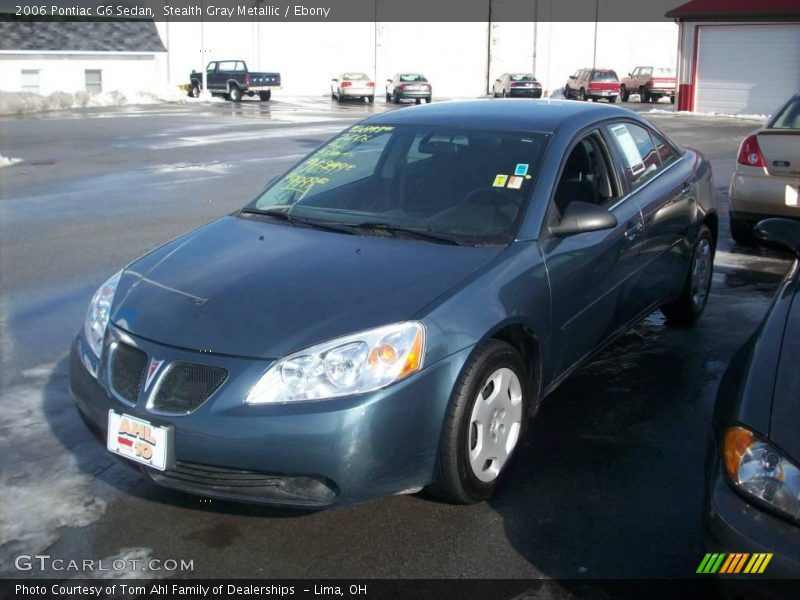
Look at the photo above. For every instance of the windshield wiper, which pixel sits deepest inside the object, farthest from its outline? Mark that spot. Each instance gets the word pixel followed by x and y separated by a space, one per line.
pixel 424 234
pixel 289 218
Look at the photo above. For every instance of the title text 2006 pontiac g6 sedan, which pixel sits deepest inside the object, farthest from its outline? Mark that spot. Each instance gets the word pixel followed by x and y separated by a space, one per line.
pixel 386 315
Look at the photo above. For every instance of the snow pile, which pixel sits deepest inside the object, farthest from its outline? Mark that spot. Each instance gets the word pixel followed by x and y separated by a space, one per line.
pixel 746 117
pixel 7 162
pixel 49 458
pixel 26 102
pixel 557 94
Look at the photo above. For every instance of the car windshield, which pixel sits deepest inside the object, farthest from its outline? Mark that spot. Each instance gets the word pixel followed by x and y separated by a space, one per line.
pixel 466 186
pixel 788 117
pixel 522 77
pixel 412 77
pixel 355 76
pixel 604 76
pixel 663 72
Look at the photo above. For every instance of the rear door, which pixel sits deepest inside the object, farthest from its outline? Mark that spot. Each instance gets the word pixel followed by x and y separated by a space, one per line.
pixel 662 183
pixel 592 275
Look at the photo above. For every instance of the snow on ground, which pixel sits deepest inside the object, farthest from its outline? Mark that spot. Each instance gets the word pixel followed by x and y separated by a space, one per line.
pixel 49 463
pixel 746 117
pixel 26 102
pixel 7 162
pixel 557 94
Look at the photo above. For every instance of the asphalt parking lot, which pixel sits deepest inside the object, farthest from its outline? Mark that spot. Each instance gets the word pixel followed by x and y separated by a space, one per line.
pixel 607 483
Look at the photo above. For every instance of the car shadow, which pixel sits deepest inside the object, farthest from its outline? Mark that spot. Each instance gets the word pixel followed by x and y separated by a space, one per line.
pixel 91 458
pixel 608 480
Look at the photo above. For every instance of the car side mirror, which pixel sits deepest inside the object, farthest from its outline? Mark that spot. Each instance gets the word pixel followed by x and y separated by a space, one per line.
pixel 779 234
pixel 572 77
pixel 334 79
pixel 388 81
pixel 630 74
pixel 583 217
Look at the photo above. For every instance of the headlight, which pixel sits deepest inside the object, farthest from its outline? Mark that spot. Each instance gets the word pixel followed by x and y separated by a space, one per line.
pixel 96 321
pixel 354 364
pixel 757 469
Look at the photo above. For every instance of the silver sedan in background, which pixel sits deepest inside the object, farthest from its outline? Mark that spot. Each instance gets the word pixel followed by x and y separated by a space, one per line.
pixel 408 85
pixel 354 86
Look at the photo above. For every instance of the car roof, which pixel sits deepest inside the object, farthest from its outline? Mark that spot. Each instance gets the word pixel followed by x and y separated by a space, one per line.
pixel 521 115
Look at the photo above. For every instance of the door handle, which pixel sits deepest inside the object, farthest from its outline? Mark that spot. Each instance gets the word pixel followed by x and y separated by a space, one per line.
pixel 633 229
pixel 686 187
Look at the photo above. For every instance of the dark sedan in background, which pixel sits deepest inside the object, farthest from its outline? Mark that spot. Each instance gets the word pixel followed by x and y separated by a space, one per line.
pixel 387 315
pixel 408 86
pixel 753 496
pixel 517 85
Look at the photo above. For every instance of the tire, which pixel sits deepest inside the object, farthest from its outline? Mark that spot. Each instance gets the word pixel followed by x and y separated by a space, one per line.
pixel 742 232
pixel 566 92
pixel 371 99
pixel 470 427
pixel 672 99
pixel 582 95
pixel 612 99
pixel 339 98
pixel 428 100
pixel 684 310
pixel 653 98
pixel 643 95
pixel 194 91
pixel 388 97
pixel 265 96
pixel 235 94
pixel 503 94
pixel 396 98
pixel 418 101
pixel 623 93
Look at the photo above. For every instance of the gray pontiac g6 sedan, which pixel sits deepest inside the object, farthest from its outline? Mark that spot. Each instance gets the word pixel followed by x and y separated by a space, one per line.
pixel 388 314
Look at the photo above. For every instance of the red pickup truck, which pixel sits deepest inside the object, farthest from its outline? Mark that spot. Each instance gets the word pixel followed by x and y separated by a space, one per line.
pixel 651 83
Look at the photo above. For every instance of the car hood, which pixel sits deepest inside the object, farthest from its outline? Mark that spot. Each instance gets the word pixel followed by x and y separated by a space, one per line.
pixel 247 287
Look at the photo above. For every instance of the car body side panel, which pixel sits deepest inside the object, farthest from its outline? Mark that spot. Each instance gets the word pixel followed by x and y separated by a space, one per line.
pixel 785 423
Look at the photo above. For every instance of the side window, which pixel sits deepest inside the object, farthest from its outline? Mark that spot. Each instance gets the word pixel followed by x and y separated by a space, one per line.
pixel 587 175
pixel 646 71
pixel 226 65
pixel 638 152
pixel 211 66
pixel 240 67
pixel 665 152
pixel 635 72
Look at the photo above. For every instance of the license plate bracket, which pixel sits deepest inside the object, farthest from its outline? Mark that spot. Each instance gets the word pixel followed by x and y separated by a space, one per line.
pixel 140 440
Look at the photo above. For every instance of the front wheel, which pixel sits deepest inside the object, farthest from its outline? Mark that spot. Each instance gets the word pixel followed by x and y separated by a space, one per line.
pixel 483 425
pixel 684 310
pixel 566 92
pixel 623 93
pixel 194 91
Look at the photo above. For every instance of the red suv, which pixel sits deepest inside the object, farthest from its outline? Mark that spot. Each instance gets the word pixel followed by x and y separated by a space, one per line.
pixel 594 84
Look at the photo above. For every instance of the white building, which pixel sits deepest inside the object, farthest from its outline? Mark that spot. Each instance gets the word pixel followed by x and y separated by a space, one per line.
pixel 72 56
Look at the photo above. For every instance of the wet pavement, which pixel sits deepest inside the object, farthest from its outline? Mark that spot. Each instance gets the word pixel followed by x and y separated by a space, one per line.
pixel 607 483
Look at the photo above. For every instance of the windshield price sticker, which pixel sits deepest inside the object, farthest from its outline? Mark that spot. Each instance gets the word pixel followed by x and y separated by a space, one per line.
pixel 628 147
pixel 515 182
pixel 500 180
pixel 521 170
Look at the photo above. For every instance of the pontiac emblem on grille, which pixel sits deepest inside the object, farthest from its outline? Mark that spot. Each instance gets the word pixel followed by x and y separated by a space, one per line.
pixel 155 365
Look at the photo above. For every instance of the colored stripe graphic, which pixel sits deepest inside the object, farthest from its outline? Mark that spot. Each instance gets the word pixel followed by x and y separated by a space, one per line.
pixel 733 563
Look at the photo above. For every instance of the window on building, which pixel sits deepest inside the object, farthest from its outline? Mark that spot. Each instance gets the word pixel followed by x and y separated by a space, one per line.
pixel 30 80
pixel 94 81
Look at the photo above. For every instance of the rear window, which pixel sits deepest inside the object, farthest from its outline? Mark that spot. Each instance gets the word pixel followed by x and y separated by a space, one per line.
pixel 788 117
pixel 604 76
pixel 663 72
pixel 522 77
pixel 355 76
pixel 412 77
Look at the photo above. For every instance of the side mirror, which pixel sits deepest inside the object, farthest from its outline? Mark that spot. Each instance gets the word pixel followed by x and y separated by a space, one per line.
pixel 779 234
pixel 572 77
pixel 630 74
pixel 388 81
pixel 334 79
pixel 583 217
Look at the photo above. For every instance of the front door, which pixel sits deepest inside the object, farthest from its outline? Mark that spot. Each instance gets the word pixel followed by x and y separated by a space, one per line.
pixel 592 275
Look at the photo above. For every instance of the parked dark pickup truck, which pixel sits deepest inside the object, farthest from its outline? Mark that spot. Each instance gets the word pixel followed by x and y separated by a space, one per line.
pixel 231 79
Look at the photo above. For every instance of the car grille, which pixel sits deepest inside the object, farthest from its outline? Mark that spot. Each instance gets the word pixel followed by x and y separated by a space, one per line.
pixel 245 485
pixel 186 386
pixel 127 372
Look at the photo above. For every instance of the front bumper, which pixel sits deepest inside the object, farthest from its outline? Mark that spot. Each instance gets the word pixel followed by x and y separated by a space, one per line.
pixel 318 454
pixel 735 525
